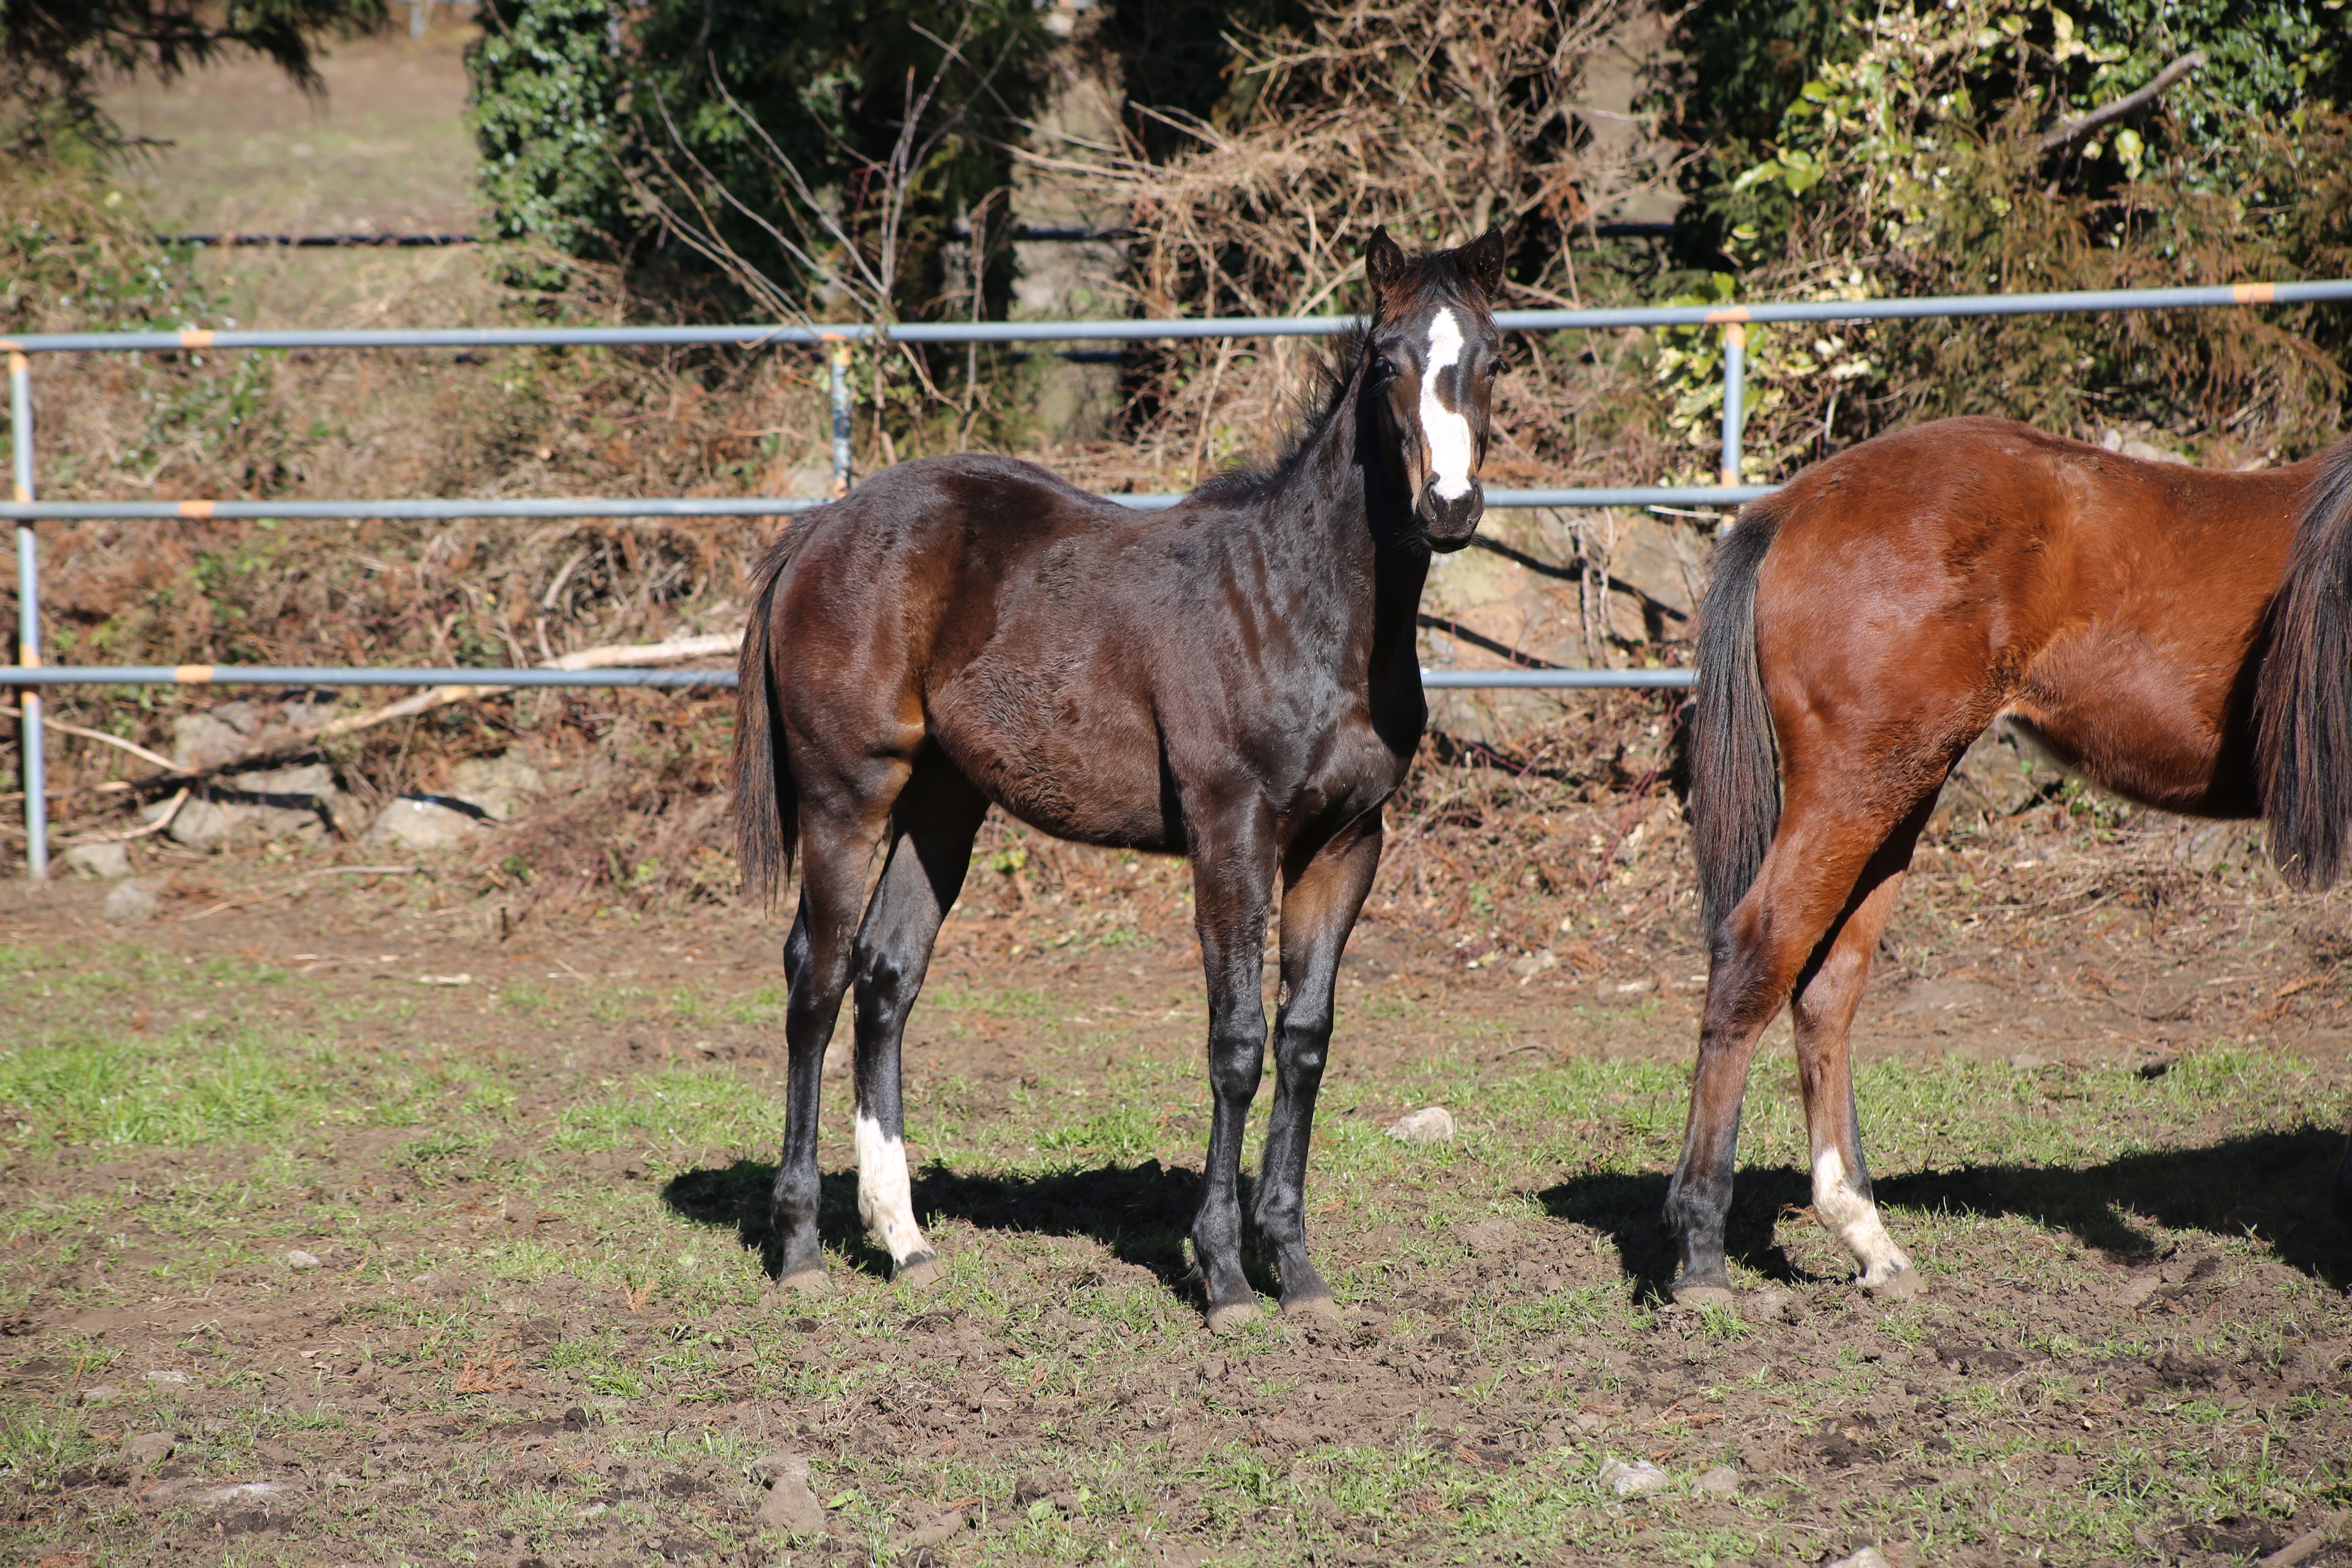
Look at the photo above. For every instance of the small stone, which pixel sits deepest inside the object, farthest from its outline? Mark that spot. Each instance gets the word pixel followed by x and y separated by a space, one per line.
pixel 496 785
pixel 1720 1481
pixel 1636 1480
pixel 946 1528
pixel 1431 1124
pixel 1528 965
pixel 421 822
pixel 128 904
pixel 1867 1557
pixel 164 1374
pixel 1770 1301
pixel 791 1504
pixel 150 1449
pixel 2026 1061
pixel 1586 1422
pixel 100 1394
pixel 297 1259
pixel 97 862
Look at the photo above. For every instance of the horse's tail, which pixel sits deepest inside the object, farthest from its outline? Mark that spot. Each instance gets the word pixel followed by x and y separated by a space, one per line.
pixel 767 805
pixel 2304 707
pixel 1735 777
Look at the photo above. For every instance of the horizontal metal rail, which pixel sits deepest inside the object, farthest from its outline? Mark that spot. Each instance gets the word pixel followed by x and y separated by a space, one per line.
pixel 301 674
pixel 729 506
pixel 1133 331
pixel 1731 319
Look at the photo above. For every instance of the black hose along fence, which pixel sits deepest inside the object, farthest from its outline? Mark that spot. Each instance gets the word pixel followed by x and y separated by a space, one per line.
pixel 31 677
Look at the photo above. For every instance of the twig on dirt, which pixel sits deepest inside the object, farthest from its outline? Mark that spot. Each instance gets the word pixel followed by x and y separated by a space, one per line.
pixel 2074 131
pixel 2305 1544
pixel 63 728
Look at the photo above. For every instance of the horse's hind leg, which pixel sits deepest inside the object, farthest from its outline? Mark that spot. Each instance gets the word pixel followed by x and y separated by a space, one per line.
pixel 836 846
pixel 1318 911
pixel 1809 883
pixel 1822 1012
pixel 936 818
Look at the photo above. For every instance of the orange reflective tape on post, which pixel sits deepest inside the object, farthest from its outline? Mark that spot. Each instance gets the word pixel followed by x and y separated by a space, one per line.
pixel 2254 293
pixel 192 674
pixel 195 509
pixel 1726 316
pixel 195 338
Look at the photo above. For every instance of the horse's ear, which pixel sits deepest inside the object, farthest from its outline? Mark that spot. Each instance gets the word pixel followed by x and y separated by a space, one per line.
pixel 1383 264
pixel 1485 257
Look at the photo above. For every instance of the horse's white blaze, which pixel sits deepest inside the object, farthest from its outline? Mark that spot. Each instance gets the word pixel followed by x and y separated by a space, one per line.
pixel 1854 1219
pixel 1444 433
pixel 885 1201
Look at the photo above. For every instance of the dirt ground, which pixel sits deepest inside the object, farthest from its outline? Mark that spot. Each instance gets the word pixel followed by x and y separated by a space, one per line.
pixel 350 1222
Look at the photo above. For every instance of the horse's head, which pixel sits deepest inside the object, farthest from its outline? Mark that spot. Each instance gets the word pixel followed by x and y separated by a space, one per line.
pixel 1431 359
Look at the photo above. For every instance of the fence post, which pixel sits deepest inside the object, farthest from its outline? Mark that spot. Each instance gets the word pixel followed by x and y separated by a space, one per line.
pixel 1735 397
pixel 28 620
pixel 837 361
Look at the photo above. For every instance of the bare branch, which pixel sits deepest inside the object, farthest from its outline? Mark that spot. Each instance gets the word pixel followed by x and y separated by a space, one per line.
pixel 2131 103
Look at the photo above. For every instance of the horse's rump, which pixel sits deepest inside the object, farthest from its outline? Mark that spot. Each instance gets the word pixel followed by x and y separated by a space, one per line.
pixel 2306 699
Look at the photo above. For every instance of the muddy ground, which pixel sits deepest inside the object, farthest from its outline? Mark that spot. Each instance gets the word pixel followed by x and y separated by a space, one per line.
pixel 343 1226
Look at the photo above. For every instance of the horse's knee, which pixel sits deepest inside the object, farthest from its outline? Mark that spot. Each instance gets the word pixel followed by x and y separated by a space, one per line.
pixel 1236 1062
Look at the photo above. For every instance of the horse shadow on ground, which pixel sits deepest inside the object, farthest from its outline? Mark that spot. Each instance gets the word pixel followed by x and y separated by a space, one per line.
pixel 1140 1213
pixel 2277 1185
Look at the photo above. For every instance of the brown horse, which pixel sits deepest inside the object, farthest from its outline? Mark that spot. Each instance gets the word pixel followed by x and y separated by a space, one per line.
pixel 1234 679
pixel 2182 638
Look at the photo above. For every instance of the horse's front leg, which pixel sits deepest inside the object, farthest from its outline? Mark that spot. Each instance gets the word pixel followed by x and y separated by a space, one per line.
pixel 1319 905
pixel 1232 876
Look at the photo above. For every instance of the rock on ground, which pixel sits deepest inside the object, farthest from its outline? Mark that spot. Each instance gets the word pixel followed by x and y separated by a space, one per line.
pixel 128 904
pixel 792 1503
pixel 496 785
pixel 1431 1124
pixel 97 862
pixel 1868 1557
pixel 1633 1479
pixel 422 822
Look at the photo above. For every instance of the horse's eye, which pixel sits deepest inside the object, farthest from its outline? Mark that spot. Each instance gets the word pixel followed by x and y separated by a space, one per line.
pixel 1382 369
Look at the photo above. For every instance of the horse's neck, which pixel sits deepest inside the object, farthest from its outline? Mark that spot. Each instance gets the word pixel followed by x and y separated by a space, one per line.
pixel 1339 523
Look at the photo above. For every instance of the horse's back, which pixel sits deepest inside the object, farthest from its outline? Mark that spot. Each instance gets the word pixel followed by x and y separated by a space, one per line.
pixel 985 607
pixel 1968 567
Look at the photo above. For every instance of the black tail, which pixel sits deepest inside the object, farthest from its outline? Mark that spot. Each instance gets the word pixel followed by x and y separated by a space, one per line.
pixel 1735 781
pixel 2303 709
pixel 767 806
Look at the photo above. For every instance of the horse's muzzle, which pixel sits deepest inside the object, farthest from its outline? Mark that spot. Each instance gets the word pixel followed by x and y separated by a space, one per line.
pixel 1448 525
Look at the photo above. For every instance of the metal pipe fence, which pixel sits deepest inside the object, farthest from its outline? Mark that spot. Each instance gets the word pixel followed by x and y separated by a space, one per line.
pixel 32 678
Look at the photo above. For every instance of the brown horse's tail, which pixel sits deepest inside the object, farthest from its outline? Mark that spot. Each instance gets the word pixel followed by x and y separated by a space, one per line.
pixel 1735 777
pixel 767 805
pixel 2303 709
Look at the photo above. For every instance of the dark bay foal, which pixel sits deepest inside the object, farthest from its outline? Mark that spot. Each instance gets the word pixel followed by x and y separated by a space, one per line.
pixel 1234 679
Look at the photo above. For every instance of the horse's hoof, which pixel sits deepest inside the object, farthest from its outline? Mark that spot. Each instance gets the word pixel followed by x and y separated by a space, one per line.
pixel 922 1271
pixel 1317 1309
pixel 1900 1286
pixel 1709 1287
pixel 1231 1316
pixel 807 1282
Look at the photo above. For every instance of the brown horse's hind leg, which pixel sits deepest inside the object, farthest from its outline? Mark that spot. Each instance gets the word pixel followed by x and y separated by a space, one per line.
pixel 935 821
pixel 1809 882
pixel 1822 1012
pixel 836 847
pixel 1319 910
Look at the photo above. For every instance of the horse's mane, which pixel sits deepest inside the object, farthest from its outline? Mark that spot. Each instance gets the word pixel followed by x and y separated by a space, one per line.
pixel 1329 374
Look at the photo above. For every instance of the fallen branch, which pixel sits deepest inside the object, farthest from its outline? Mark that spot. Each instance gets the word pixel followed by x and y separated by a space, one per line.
pixel 2074 131
pixel 293 743
pixel 62 728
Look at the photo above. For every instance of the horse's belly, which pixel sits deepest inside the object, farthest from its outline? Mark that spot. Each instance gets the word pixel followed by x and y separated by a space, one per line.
pixel 1066 760
pixel 2159 726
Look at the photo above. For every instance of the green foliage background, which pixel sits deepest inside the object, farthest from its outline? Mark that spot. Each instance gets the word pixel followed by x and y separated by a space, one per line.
pixel 574 99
